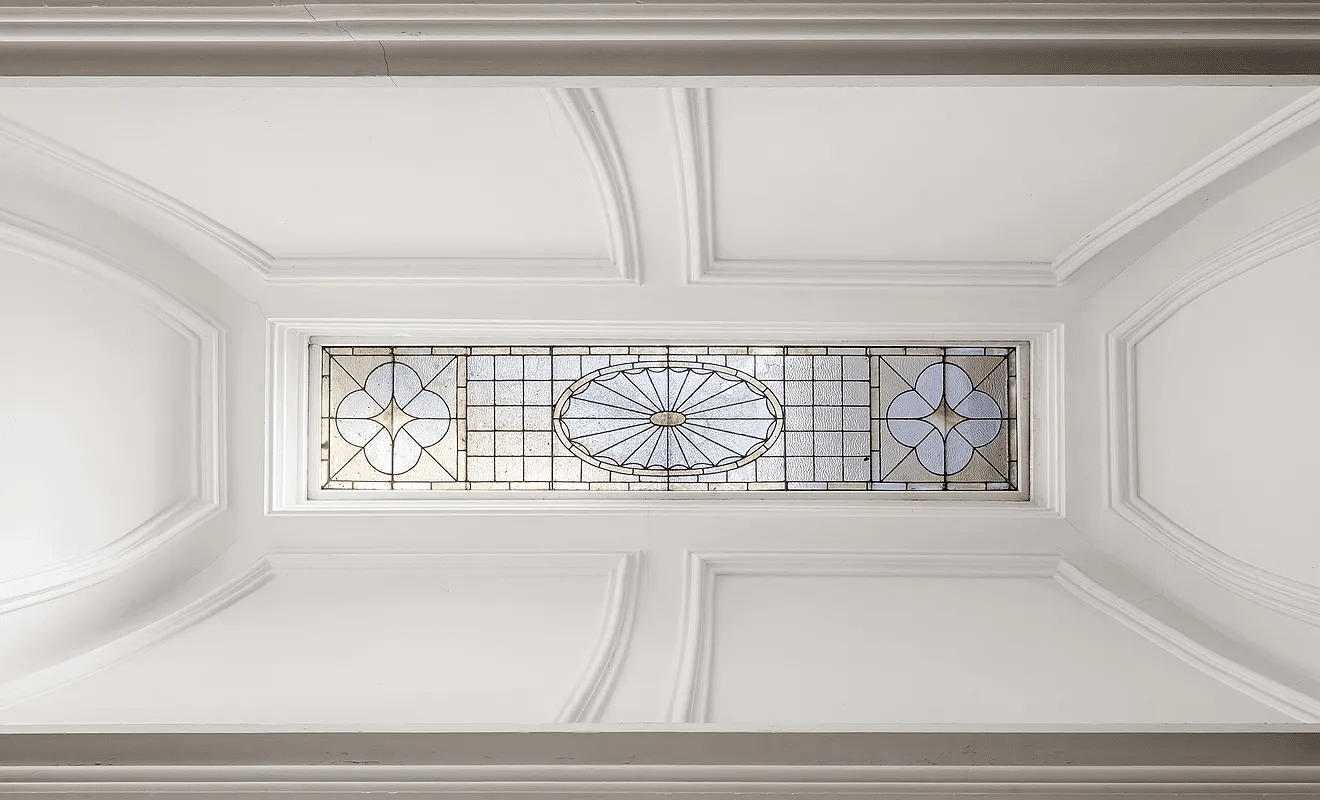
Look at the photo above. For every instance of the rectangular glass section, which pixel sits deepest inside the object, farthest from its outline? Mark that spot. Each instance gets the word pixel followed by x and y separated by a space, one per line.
pixel 886 417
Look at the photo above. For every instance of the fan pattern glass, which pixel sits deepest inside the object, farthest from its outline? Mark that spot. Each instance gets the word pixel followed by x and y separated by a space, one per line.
pixel 856 417
pixel 666 418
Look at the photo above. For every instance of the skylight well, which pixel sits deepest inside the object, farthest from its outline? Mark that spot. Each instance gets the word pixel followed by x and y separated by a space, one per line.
pixel 883 417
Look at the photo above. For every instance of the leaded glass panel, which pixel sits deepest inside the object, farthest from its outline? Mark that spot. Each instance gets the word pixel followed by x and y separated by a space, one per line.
pixel 629 418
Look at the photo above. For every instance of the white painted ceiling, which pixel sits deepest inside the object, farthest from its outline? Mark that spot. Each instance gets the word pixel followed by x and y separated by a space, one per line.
pixel 865 173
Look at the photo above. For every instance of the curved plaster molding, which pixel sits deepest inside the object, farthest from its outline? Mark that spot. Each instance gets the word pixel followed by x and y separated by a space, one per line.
pixel 207 424
pixel 585 111
pixel 583 116
pixel 1295 598
pixel 593 689
pixel 691 693
pixel 1274 130
pixel 123 648
pixel 589 694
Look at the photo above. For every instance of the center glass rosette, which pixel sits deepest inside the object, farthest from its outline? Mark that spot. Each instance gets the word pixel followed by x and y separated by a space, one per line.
pixel 668 418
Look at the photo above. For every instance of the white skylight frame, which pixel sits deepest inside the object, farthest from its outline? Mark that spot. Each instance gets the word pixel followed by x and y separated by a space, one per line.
pixel 293 440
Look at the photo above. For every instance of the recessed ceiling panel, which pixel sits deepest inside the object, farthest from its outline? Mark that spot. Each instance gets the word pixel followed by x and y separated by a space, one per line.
pixel 953 173
pixel 345 172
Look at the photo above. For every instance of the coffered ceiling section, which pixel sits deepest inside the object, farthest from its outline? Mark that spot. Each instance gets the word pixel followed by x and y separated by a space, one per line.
pixel 371 179
pixel 874 183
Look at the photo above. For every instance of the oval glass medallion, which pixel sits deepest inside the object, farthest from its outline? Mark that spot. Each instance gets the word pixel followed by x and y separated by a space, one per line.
pixel 668 418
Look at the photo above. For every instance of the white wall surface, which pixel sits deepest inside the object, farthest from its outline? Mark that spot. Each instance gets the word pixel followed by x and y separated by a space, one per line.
pixel 802 650
pixel 358 646
pixel 1226 392
pixel 96 414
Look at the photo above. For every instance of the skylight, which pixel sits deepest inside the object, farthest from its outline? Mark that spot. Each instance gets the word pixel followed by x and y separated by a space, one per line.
pixel 884 417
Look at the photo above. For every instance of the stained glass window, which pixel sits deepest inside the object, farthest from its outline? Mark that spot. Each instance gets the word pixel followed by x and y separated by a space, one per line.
pixel 620 418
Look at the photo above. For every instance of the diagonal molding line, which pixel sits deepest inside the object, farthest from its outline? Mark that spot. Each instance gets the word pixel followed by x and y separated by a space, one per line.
pixel 206 339
pixel 1295 598
pixel 592 133
pixel 1289 121
pixel 107 655
pixel 690 698
pixel 1276 695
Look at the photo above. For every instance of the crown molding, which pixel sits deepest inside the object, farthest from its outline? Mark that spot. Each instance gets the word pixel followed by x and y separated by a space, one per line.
pixel 603 38
pixel 504 765
pixel 691 694
pixel 1295 598
pixel 207 424
pixel 288 395
pixel 580 109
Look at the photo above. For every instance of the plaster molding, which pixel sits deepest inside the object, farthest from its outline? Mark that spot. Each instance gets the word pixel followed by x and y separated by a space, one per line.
pixel 620 570
pixel 207 428
pixel 691 120
pixel 592 692
pixel 107 655
pixel 1272 131
pixel 1253 684
pixel 575 105
pixel 1295 598
pixel 289 387
pixel 782 21
pixel 691 694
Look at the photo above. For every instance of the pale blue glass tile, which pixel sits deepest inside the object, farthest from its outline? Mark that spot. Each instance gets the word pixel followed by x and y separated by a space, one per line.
pixel 828 418
pixel 857 368
pixel 536 368
pixel 481 393
pixel 856 418
pixel 827 392
pixel 797 367
pixel 508 367
pixel 798 468
pixel 798 443
pixel 481 368
pixel 828 368
pixel 856 468
pixel 537 393
pixel 798 418
pixel 508 393
pixel 797 393
pixel 857 393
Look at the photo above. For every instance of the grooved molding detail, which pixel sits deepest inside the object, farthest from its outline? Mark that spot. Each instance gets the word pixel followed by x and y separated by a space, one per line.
pixel 580 109
pixel 123 648
pixel 584 703
pixel 1292 597
pixel 206 433
pixel 692 131
pixel 290 451
pixel 691 695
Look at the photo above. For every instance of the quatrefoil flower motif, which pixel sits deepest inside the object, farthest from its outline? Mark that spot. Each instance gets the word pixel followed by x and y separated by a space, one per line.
pixel 944 418
pixel 392 418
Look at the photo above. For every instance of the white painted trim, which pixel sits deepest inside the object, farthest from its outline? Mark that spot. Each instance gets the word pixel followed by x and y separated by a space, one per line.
pixel 1297 599
pixel 206 429
pixel 592 132
pixel 620 570
pixel 289 450
pixel 585 110
pixel 691 121
pixel 1295 704
pixel 592 692
pixel 781 21
pixel 107 655
pixel 691 695
pixel 1271 132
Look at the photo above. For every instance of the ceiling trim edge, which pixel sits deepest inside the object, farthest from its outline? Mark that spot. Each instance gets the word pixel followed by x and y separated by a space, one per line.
pixel 1295 598
pixel 206 430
